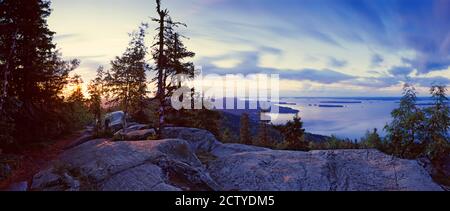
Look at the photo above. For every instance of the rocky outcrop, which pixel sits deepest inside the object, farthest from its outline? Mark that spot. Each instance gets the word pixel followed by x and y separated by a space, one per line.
pixel 334 170
pixel 199 140
pixel 164 165
pixel 192 159
pixel 202 141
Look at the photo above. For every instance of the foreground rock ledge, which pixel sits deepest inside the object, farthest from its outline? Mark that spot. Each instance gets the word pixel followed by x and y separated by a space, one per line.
pixel 194 160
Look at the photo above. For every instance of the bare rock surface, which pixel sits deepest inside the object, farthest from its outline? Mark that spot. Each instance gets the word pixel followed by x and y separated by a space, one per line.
pixel 334 170
pixel 193 159
pixel 141 165
pixel 199 140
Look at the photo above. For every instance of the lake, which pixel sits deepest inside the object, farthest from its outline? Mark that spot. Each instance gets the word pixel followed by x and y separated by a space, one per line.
pixel 343 117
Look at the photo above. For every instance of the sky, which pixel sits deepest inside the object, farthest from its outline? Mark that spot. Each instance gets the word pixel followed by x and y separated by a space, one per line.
pixel 318 47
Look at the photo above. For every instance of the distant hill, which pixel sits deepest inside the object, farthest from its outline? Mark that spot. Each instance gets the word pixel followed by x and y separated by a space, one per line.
pixel 254 113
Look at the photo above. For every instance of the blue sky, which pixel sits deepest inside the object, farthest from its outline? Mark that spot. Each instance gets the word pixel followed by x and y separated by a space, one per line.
pixel 319 47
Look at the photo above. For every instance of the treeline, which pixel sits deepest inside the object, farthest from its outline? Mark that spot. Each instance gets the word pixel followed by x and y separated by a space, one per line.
pixel 290 136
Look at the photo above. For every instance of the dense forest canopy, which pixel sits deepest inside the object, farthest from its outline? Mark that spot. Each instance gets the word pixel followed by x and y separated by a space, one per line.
pixel 33 73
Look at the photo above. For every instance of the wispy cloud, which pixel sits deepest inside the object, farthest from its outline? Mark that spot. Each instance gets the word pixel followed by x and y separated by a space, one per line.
pixel 65 36
pixel 400 71
pixel 376 60
pixel 337 63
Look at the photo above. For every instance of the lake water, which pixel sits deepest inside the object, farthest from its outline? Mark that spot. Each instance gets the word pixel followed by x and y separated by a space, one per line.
pixel 343 117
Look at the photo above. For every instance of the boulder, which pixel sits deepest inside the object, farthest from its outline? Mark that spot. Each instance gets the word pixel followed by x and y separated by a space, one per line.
pixel 166 165
pixel 333 170
pixel 137 127
pixel 114 120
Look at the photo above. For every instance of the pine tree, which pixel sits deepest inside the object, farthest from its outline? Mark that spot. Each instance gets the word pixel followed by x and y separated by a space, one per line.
pixel 178 70
pixel 95 90
pixel 177 53
pixel 263 135
pixel 437 124
pixel 293 133
pixel 33 73
pixel 245 130
pixel 264 138
pixel 77 95
pixel 404 130
pixel 126 80
pixel 77 113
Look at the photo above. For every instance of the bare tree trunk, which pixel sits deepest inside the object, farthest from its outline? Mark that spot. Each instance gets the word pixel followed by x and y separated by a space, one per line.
pixel 160 91
pixel 6 71
pixel 193 98
pixel 176 56
pixel 125 125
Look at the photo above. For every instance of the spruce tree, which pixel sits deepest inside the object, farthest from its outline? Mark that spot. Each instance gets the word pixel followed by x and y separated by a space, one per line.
pixel 126 80
pixel 77 113
pixel 264 139
pixel 293 133
pixel 179 69
pixel 177 54
pixel 77 95
pixel 245 130
pixel 33 73
pixel 95 90
pixel 263 135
